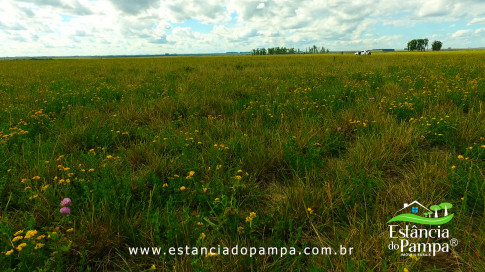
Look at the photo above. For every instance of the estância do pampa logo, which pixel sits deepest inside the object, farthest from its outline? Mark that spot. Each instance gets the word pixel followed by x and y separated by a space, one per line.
pixel 425 237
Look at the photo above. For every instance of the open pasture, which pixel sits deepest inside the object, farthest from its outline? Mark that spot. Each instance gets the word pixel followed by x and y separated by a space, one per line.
pixel 261 151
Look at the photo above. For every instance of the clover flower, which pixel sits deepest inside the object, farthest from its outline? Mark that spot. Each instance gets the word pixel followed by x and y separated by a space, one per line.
pixel 65 202
pixel 65 210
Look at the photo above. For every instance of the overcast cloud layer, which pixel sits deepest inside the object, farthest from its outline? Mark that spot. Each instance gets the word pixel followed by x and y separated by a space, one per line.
pixel 113 27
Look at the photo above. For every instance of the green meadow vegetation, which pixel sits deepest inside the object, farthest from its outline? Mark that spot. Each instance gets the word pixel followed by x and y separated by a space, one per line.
pixel 254 151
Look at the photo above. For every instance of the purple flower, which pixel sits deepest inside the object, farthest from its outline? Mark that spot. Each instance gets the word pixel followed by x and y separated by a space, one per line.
pixel 66 201
pixel 65 210
pixel 372 99
pixel 339 129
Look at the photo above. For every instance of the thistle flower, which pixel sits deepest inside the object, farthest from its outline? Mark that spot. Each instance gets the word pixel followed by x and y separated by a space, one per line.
pixel 65 210
pixel 65 202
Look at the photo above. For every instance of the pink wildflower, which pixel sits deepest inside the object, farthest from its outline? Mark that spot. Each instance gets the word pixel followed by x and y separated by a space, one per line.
pixel 66 201
pixel 65 210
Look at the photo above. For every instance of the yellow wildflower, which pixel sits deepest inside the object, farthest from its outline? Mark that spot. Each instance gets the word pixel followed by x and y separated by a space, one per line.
pixel 211 255
pixel 18 233
pixel 38 245
pixel 182 188
pixel 165 185
pixel 460 157
pixel 30 234
pixel 251 216
pixel 310 210
pixel 202 236
pixel 17 238
pixel 21 246
pixel 240 230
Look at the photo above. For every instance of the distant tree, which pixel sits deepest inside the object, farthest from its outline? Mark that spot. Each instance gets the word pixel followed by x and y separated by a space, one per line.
pixel 417 44
pixel 436 45
pixel 412 45
pixel 420 44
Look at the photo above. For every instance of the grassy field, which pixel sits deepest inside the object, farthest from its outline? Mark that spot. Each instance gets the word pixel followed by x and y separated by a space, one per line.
pixel 254 151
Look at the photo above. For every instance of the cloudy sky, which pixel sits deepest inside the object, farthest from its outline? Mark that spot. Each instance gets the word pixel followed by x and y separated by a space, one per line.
pixel 113 27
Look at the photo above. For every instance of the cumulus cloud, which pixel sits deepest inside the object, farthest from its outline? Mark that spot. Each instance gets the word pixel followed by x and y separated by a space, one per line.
pixel 85 27
pixel 133 6
pixel 432 8
pixel 461 33
pixel 208 12
pixel 477 21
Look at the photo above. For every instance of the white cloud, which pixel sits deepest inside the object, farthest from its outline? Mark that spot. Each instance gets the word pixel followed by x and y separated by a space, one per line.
pixel 432 8
pixel 461 33
pixel 477 21
pixel 83 27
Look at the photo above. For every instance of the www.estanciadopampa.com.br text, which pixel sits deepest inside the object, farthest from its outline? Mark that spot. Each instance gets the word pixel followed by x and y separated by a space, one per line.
pixel 240 251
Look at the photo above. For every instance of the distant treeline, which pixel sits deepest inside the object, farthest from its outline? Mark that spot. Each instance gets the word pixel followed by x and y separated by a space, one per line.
pixel 283 51
pixel 422 45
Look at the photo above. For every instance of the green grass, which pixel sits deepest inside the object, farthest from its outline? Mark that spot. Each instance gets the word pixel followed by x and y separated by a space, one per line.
pixel 322 148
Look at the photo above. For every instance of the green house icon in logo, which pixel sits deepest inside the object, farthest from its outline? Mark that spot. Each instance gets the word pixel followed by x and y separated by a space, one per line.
pixel 416 212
